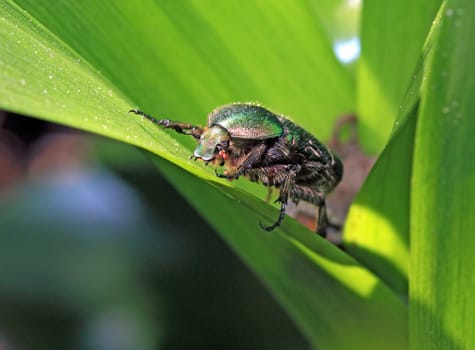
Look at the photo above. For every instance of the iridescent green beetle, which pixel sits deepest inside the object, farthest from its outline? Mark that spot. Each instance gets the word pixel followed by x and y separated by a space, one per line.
pixel 251 141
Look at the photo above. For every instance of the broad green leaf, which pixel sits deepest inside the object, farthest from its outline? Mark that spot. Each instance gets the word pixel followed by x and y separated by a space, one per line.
pixel 183 58
pixel 377 229
pixel 392 35
pixel 442 282
pixel 86 64
pixel 326 292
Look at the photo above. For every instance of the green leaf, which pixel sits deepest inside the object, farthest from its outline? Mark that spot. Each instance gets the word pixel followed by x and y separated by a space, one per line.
pixel 377 228
pixel 85 64
pixel 183 58
pixel 392 36
pixel 324 290
pixel 443 187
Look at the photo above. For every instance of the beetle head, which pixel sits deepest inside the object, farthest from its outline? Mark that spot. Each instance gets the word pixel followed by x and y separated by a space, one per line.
pixel 213 140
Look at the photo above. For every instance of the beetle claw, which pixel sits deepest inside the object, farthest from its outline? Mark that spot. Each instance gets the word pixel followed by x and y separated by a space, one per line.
pixel 225 176
pixel 266 228
pixel 279 220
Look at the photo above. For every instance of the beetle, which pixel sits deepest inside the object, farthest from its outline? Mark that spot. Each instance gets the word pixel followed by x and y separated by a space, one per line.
pixel 250 140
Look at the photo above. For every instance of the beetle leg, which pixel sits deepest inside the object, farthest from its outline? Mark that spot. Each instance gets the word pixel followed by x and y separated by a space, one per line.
pixel 234 176
pixel 322 220
pixel 251 158
pixel 269 194
pixel 279 220
pixel 283 199
pixel 181 128
pixel 245 163
pixel 248 160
